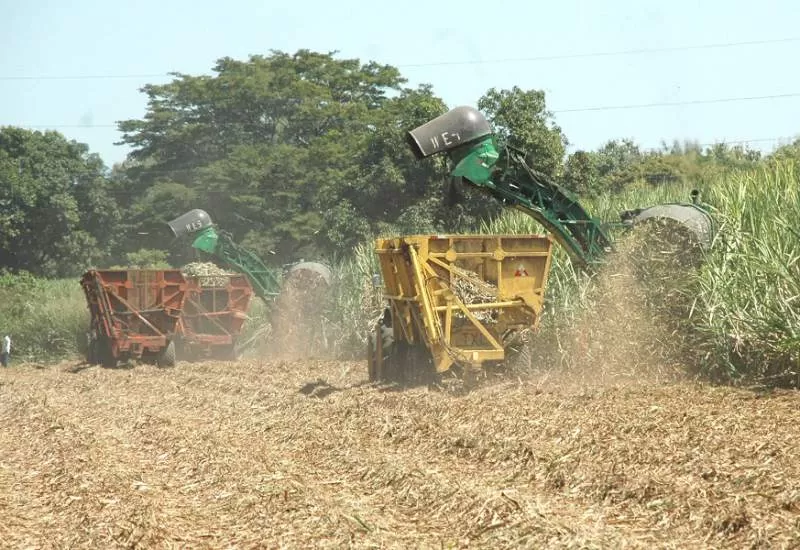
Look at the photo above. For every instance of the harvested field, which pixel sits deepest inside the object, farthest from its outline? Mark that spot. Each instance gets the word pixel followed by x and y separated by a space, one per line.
pixel 300 454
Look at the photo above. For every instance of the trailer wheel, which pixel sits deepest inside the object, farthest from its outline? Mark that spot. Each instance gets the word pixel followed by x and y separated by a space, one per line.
pixel 379 349
pixel 167 357
pixel 92 352
pixel 105 351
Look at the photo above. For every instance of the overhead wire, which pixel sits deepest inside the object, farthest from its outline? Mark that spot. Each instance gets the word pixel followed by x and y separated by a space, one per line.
pixel 554 111
pixel 527 59
pixel 639 51
pixel 677 103
pixel 643 150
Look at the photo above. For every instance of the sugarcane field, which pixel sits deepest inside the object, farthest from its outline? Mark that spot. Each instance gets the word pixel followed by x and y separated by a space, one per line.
pixel 410 289
pixel 600 441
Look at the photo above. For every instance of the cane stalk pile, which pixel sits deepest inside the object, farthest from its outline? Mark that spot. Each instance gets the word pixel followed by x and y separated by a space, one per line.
pixel 469 288
pixel 208 274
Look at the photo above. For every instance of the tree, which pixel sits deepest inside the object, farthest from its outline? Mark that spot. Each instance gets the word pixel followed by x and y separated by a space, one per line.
pixel 609 169
pixel 581 173
pixel 790 152
pixel 57 209
pixel 294 154
pixel 520 118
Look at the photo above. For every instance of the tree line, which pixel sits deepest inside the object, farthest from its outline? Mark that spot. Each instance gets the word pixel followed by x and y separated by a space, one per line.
pixel 298 156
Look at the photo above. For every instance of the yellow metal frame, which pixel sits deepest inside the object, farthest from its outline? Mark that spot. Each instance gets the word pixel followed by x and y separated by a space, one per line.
pixel 419 272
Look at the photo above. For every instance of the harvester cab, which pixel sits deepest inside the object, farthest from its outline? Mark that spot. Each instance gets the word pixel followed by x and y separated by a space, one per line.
pixel 467 299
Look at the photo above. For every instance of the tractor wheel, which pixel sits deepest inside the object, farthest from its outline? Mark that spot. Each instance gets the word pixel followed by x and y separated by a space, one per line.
pixel 375 356
pixel 408 364
pixel 167 356
pixel 372 366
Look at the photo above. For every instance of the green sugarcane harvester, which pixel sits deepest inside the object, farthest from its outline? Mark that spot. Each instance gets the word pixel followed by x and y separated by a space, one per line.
pixel 467 138
pixel 427 320
pixel 220 246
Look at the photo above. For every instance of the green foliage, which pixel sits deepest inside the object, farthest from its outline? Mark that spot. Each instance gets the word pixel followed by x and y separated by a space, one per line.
pixel 736 156
pixel 355 304
pixel 789 152
pixel 57 211
pixel 520 118
pixel 618 165
pixel 46 319
pixel 582 174
pixel 146 258
pixel 748 289
pixel 293 154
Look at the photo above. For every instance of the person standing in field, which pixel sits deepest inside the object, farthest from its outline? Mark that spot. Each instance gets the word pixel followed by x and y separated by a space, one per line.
pixel 5 354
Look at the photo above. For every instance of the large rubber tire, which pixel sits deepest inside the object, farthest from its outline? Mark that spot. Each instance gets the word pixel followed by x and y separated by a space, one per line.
pixel 92 352
pixel 106 353
pixel 167 357
pixel 409 364
pixel 383 333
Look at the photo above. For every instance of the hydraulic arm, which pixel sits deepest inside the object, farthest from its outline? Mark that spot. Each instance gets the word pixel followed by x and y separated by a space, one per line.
pixel 467 138
pixel 219 244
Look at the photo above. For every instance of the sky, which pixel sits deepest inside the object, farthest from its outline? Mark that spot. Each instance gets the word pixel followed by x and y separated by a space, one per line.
pixel 50 48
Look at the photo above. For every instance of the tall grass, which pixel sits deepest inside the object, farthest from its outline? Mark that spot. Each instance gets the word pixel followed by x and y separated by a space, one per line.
pixel 46 319
pixel 746 312
pixel 348 315
pixel 748 292
pixel 356 303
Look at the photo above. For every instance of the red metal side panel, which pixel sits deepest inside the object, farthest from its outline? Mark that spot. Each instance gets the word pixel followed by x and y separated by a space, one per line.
pixel 138 309
pixel 214 316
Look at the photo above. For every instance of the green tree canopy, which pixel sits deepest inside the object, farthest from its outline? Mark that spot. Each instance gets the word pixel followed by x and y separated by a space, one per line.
pixel 58 213
pixel 609 169
pixel 294 154
pixel 521 119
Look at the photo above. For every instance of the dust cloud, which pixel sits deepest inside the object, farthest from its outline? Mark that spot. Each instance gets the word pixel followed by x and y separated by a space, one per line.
pixel 632 326
pixel 298 323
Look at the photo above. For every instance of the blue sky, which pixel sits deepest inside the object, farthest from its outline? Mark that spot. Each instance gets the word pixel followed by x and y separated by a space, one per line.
pixel 49 38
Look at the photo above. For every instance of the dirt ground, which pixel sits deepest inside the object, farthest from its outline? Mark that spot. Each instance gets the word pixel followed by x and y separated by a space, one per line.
pixel 302 454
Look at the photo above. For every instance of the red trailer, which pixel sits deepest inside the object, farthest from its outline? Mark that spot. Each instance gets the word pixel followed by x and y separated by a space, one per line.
pixel 135 314
pixel 214 312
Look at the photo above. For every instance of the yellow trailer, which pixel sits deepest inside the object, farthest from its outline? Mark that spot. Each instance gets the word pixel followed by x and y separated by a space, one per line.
pixel 456 299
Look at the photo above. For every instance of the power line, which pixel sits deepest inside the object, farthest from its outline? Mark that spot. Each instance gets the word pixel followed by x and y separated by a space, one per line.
pixel 161 171
pixel 573 110
pixel 677 103
pixel 639 51
pixel 553 57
